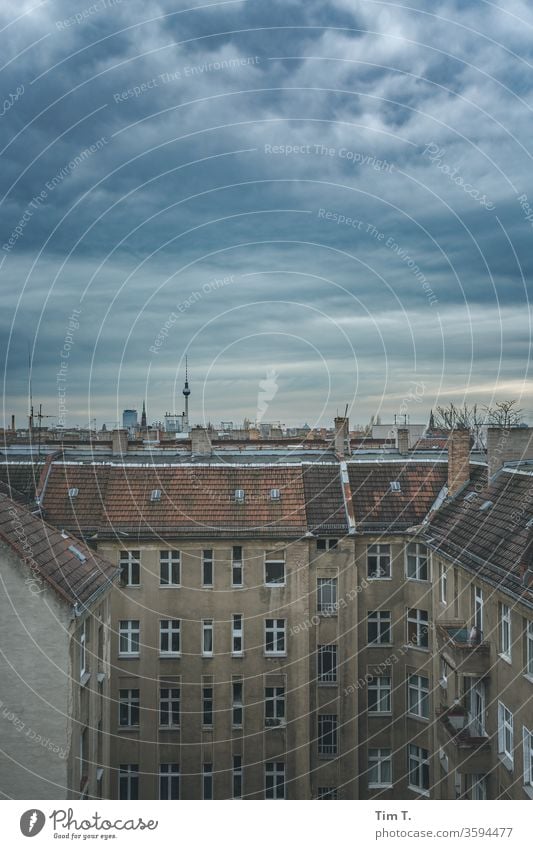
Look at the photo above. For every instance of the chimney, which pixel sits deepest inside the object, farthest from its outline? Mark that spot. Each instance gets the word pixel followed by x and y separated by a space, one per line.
pixel 342 436
pixel 458 459
pixel 119 441
pixel 201 442
pixel 402 440
pixel 505 444
pixel 13 428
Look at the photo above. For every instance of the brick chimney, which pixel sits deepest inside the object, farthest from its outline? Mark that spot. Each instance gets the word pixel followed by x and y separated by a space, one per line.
pixel 402 440
pixel 201 442
pixel 119 441
pixel 507 444
pixel 458 459
pixel 342 436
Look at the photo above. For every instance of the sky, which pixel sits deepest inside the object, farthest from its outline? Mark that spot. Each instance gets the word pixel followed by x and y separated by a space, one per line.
pixel 320 203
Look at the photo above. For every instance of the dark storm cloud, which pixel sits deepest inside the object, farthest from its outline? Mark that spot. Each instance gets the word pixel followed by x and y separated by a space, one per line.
pixel 360 171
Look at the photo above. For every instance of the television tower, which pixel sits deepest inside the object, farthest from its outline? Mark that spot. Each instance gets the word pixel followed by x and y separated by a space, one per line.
pixel 186 393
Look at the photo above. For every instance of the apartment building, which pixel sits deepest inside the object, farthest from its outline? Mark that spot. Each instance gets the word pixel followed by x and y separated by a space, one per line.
pixel 54 664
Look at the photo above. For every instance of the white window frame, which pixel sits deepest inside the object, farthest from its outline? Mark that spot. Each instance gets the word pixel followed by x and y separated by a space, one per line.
pixel 237 703
pixel 169 697
pixel 237 634
pixel 130 702
pixel 478 787
pixel 328 750
pixel 237 567
pixel 83 650
pixel 129 629
pixel 127 561
pixel 505 733
pixel 326 602
pixel 275 780
pixel 323 650
pixel 478 608
pixel 418 696
pixel 208 559
pixel 443 583
pixel 169 775
pixel 505 631
pixel 381 553
pixel 278 630
pixel 169 559
pixel 420 622
pixel 377 760
pixel 169 630
pixel 274 706
pixel 381 685
pixel 208 637
pixel 527 748
pixel 271 561
pixel 379 618
pixel 326 543
pixel 207 781
pixel 237 777
pixel 529 649
pixel 130 774
pixel 417 759
pixel 208 699
pixel 418 553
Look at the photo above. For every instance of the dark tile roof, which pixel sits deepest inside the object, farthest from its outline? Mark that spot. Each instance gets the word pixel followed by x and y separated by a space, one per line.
pixel 324 499
pixel 46 552
pixel 20 479
pixel 377 507
pixel 495 541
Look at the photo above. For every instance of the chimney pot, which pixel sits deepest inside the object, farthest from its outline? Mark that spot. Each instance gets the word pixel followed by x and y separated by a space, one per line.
pixel 342 436
pixel 119 441
pixel 507 444
pixel 402 440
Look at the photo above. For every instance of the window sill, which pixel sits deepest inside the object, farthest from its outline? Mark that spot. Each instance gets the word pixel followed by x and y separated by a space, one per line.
pixel 208 586
pixel 169 586
pixel 207 656
pixel 419 790
pixel 379 713
pixel 528 790
pixel 237 654
pixel 416 648
pixel 424 719
pixel 128 728
pixel 275 654
pixel 417 580
pixel 529 678
pixel 506 658
pixel 328 683
pixel 130 586
pixel 129 656
pixel 380 645
pixel 84 679
pixel 380 786
pixel 275 586
pixel 375 578
pixel 169 727
pixel 506 761
pixel 169 655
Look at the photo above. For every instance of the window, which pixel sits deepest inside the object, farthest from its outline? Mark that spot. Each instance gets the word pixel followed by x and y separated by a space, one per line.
pixel 275 494
pixel 207 781
pixel 128 710
pixel 84 757
pixel 207 567
pixel 275 780
pixel 327 595
pixel 479 787
pixel 443 583
pixel 327 793
pixel 379 768
pixel 239 496
pixel 169 636
pixel 83 649
pixel 529 648
pixel 379 625
pixel 237 634
pixel 169 707
pixel 236 566
pixel 128 781
pixel 505 631
pixel 379 694
pixel 207 637
pixel 274 706
pixel 505 732
pixel 130 568
pixel 274 571
pixel 476 700
pixel 326 544
pixel 443 681
pixel 73 492
pixel 417 628
pixel 327 734
pixel 207 706
pixel 237 777
pixel 169 781
pixel 478 608
pixel 169 569
pixel 327 664
pixel 418 767
pixel 237 703
pixel 129 637
pixel 417 562
pixel 527 739
pixel 418 696
pixel 275 636
pixel 378 560
pixel 395 486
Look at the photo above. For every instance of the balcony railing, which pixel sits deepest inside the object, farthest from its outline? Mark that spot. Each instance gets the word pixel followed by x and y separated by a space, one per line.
pixel 464 649
pixel 470 744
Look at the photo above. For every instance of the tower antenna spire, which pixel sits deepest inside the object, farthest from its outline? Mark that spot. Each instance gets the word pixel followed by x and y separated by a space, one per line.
pixel 186 393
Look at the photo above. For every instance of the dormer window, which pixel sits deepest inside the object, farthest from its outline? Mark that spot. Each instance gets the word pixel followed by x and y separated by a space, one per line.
pixel 470 496
pixel 155 495
pixel 73 492
pixel 275 495
pixel 239 496
pixel 395 486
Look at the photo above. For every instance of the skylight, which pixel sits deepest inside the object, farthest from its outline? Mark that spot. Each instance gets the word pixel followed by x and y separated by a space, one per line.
pixel 155 495
pixel 239 496
pixel 73 491
pixel 275 494
pixel 77 553
pixel 395 486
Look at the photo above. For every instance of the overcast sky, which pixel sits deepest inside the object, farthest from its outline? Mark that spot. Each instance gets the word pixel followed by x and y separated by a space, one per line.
pixel 325 203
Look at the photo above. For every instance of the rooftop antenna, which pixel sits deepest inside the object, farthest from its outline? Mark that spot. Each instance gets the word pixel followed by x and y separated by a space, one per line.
pixel 186 392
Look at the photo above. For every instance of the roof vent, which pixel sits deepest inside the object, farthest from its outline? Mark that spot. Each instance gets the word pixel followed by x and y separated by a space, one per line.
pixel 275 494
pixel 395 486
pixel 486 505
pixel 77 552
pixel 529 524
pixel 239 496
pixel 155 495
pixel 73 492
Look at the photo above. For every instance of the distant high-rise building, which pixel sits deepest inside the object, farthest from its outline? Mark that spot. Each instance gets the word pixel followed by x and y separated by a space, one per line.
pixel 129 419
pixel 143 417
